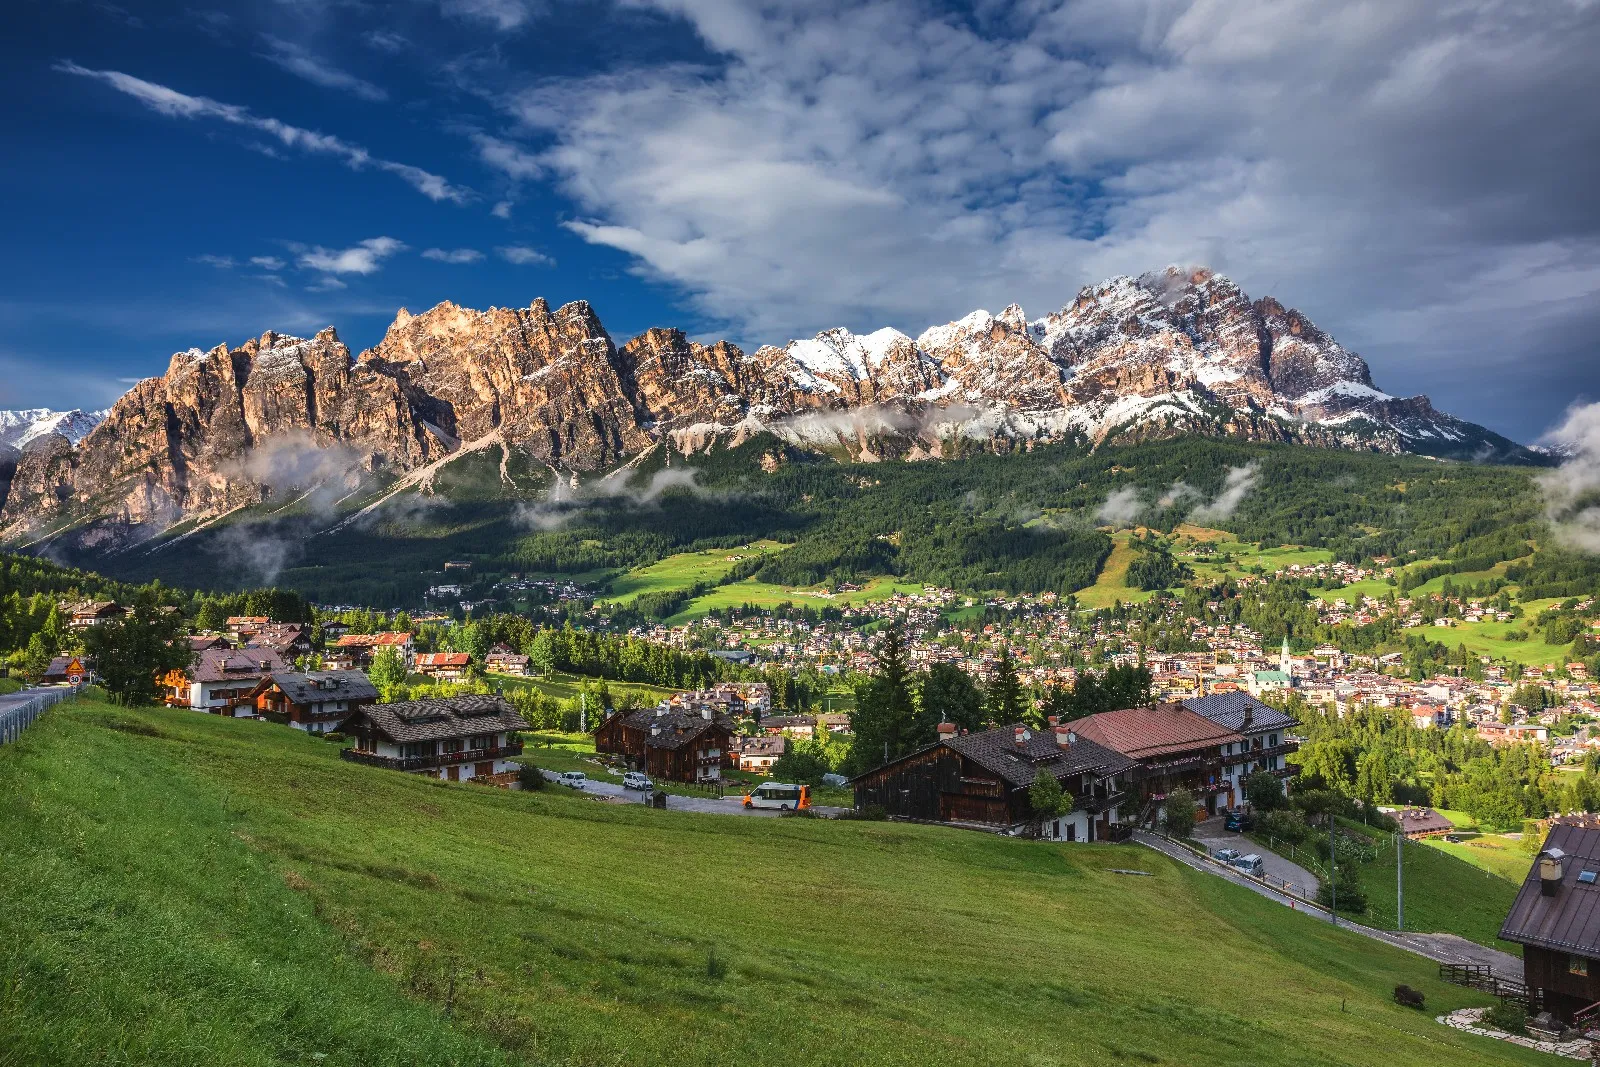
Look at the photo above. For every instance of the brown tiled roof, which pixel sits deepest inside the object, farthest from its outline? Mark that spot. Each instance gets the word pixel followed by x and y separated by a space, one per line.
pixel 1569 921
pixel 227 665
pixel 443 659
pixel 368 640
pixel 997 751
pixel 432 720
pixel 1159 730
pixel 678 727
pixel 319 686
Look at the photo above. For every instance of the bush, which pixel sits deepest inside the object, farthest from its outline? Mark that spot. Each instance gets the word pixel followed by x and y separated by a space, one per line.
pixel 870 813
pixel 1180 808
pixel 716 966
pixel 335 736
pixel 1283 825
pixel 1511 1018
pixel 1264 791
pixel 1352 898
pixel 530 778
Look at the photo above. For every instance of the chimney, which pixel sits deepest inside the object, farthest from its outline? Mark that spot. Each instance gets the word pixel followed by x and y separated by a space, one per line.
pixel 655 731
pixel 705 713
pixel 1053 721
pixel 945 730
pixel 1249 716
pixel 1550 871
pixel 1019 736
pixel 1066 736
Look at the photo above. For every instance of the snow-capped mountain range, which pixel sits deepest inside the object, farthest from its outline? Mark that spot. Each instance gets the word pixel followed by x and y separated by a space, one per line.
pixel 18 428
pixel 1173 352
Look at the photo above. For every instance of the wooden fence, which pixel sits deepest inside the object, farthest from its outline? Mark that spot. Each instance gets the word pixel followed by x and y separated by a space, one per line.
pixel 18 717
pixel 1479 976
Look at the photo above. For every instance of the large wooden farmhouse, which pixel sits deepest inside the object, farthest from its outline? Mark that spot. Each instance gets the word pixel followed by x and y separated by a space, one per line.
pixel 1556 920
pixel 1175 748
pixel 454 738
pixel 674 743
pixel 983 778
pixel 221 680
pixel 316 702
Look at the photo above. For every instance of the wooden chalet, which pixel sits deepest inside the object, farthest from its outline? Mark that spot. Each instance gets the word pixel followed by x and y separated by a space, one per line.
pixel 455 739
pixel 758 754
pixel 1556 920
pixel 244 627
pixel 357 650
pixel 445 665
pixel 1174 748
pixel 671 743
pixel 82 614
pixel 69 670
pixel 286 639
pixel 221 680
pixel 505 661
pixel 984 778
pixel 316 702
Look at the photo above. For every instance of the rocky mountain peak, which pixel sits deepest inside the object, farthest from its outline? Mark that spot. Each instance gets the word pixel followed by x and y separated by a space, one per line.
pixel 1179 350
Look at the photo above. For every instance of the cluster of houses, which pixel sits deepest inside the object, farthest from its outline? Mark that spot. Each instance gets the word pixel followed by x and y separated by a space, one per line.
pixel 690 737
pixel 1118 767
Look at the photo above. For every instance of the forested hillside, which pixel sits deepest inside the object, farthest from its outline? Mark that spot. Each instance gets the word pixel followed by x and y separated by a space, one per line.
pixel 1028 521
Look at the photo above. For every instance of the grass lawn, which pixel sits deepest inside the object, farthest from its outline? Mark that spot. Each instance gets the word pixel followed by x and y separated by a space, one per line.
pixel 1444 894
pixel 185 889
pixel 1488 638
pixel 9 685
pixel 564 686
pixel 768 595
pixel 1110 585
pixel 1351 594
pixel 684 569
pixel 1500 856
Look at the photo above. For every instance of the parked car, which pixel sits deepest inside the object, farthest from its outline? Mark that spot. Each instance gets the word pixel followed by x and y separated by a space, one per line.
pixel 1226 855
pixel 1250 864
pixel 1239 821
pixel 572 779
pixel 636 780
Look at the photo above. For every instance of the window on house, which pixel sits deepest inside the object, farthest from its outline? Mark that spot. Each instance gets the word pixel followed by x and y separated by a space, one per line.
pixel 1577 965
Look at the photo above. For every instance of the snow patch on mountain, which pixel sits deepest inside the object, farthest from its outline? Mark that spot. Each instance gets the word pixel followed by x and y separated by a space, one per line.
pixel 18 428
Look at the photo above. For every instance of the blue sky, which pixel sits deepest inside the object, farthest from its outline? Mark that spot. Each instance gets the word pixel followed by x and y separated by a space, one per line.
pixel 1419 178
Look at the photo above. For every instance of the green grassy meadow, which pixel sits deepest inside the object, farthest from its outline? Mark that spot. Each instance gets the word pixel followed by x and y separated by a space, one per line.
pixel 1111 585
pixel 683 570
pixel 185 889
pixel 1492 853
pixel 1444 893
pixel 563 686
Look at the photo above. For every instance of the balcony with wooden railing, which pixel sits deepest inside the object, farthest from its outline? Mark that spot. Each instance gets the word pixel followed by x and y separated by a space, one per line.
pixel 437 759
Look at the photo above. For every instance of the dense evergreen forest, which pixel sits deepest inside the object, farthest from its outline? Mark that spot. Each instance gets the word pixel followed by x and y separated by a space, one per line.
pixel 1020 522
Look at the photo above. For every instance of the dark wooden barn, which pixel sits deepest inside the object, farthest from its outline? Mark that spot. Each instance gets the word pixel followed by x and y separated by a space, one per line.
pixel 984 778
pixel 1556 920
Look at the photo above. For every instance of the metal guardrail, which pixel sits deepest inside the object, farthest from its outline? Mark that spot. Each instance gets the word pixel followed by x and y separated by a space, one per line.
pixel 16 719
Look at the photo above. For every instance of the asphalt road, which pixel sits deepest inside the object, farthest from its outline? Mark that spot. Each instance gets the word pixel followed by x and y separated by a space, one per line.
pixel 705 805
pixel 1280 871
pixel 1437 947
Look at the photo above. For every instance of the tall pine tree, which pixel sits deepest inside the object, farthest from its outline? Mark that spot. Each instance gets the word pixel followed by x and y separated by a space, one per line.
pixel 1004 695
pixel 884 722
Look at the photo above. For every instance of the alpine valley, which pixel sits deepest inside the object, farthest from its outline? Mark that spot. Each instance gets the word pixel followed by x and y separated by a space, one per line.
pixel 554 407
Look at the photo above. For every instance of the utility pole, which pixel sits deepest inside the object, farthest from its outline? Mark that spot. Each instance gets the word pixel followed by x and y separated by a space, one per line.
pixel 583 714
pixel 1333 872
pixel 1399 883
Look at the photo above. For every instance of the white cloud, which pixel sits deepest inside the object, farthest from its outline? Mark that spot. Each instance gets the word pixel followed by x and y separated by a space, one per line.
pixel 523 255
pixel 1235 487
pixel 173 104
pixel 501 14
pixel 386 41
pixel 220 262
pixel 267 262
pixel 1122 507
pixel 318 71
pixel 504 156
pixel 1572 490
pixel 327 284
pixel 501 210
pixel 453 255
pixel 880 163
pixel 363 258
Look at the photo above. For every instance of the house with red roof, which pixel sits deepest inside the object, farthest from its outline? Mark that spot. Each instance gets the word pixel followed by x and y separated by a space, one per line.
pixel 1172 748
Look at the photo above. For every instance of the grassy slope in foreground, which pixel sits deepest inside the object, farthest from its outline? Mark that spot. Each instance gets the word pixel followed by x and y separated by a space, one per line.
pixel 177 888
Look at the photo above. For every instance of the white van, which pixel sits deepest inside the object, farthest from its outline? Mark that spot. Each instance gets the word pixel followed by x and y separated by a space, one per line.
pixel 1250 864
pixel 572 779
pixel 636 780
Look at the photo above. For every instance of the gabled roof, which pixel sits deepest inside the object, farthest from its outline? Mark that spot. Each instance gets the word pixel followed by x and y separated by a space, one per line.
pixel 678 727
pixel 997 751
pixel 1569 921
pixel 228 665
pixel 432 720
pixel 444 659
pixel 314 687
pixel 1228 710
pixel 1159 730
